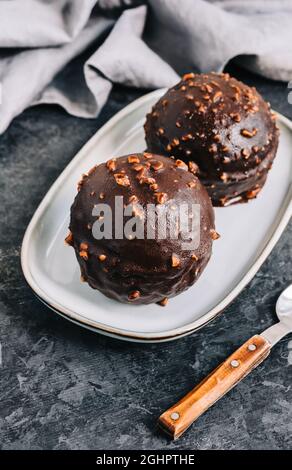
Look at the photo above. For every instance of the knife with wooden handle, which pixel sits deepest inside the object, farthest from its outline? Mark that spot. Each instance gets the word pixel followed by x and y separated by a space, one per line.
pixel 180 416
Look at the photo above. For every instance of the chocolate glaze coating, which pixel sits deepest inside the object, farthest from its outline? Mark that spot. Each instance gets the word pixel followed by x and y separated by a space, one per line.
pixel 139 271
pixel 221 124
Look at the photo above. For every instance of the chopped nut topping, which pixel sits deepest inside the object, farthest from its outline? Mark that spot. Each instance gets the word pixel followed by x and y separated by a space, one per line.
pixel 235 116
pixel 83 254
pixel 226 160
pixel 187 137
pixel 188 76
pixel 236 88
pixel 138 167
pixel 224 177
pixel 217 138
pixel 257 160
pixel 92 193
pixel 175 142
pixel 101 195
pixel 153 187
pixel 254 109
pixel 194 257
pixel 164 103
pixel 202 109
pixel 121 179
pixel 223 201
pixel 161 198
pixel 236 97
pixel 102 257
pixel 84 246
pixel 192 184
pixel 217 96
pixel 69 239
pixel 214 235
pixel 175 261
pixel 178 124
pixel 133 199
pixel 245 153
pixel 141 174
pixel 156 165
pixel 163 302
pixel 133 159
pixel 111 164
pixel 193 167
pixel 181 164
pixel 160 131
pixel 169 148
pixel 253 193
pixel 147 155
pixel 147 181
pixel 249 134
pixel 134 295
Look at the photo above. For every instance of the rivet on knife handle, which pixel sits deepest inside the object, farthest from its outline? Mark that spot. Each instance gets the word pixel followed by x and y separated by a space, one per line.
pixel 179 417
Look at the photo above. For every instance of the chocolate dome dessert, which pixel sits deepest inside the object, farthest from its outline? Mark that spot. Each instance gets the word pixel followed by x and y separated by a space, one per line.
pixel 222 125
pixel 145 268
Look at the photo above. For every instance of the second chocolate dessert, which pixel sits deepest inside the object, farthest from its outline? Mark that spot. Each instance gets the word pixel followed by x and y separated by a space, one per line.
pixel 153 266
pixel 222 125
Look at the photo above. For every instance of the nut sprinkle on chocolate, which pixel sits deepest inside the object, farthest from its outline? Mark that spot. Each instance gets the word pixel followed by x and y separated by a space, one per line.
pixel 120 262
pixel 217 122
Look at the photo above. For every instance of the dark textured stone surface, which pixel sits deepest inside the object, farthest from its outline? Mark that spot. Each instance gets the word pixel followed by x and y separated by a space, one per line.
pixel 63 387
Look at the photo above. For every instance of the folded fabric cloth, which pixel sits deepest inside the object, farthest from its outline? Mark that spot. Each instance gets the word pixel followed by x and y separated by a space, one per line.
pixel 145 44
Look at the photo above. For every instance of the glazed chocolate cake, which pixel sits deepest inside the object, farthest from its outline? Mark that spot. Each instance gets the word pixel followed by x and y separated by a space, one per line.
pixel 132 269
pixel 222 125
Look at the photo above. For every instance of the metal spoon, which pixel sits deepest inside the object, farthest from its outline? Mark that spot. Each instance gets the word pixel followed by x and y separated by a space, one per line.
pixel 179 417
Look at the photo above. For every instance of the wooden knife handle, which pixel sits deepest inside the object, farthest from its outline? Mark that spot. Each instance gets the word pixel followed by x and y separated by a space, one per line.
pixel 179 417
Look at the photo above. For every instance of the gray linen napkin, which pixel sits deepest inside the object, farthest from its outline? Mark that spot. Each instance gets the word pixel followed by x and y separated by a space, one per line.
pixel 145 44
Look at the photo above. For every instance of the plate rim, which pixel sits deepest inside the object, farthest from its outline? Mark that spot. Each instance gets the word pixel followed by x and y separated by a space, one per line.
pixel 275 232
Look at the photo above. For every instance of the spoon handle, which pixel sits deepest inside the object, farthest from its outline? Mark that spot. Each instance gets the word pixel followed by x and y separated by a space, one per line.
pixel 179 417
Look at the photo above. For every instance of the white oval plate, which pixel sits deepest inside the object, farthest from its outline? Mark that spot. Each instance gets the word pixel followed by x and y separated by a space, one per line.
pixel 248 234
